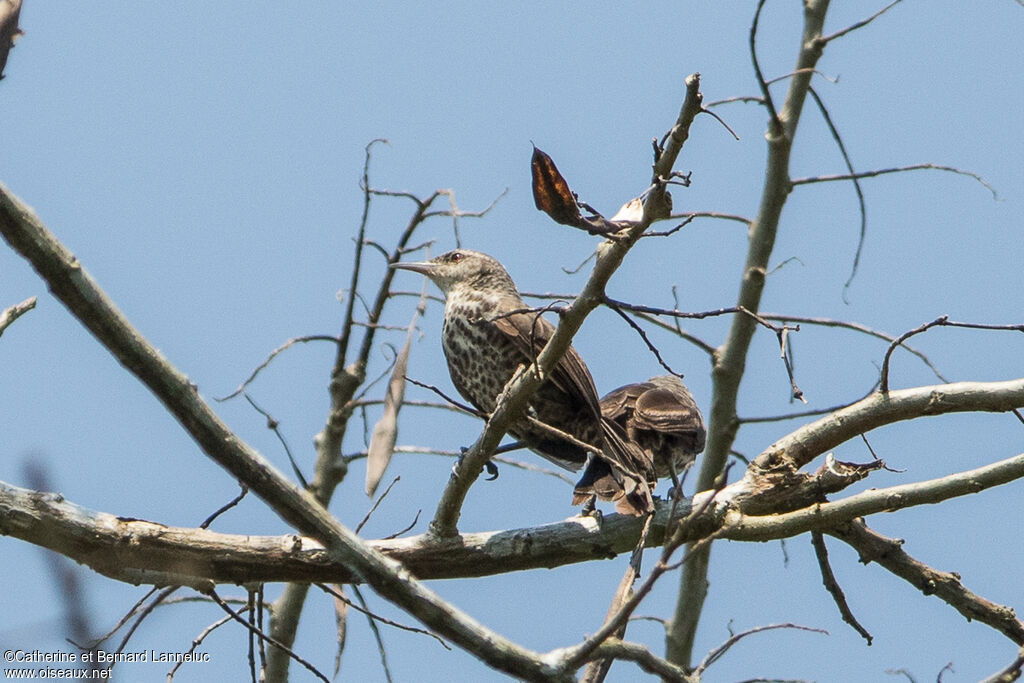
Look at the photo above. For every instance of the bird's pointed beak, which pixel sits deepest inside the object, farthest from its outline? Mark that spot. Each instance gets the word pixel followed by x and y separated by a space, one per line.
pixel 423 267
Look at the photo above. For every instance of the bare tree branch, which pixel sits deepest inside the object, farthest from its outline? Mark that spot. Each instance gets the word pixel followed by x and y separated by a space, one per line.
pixel 1010 673
pixel 826 515
pixel 644 658
pixel 941 321
pixel 12 313
pixel 274 354
pixel 828 577
pixel 799 447
pixel 376 617
pixel 775 125
pixel 830 322
pixel 718 652
pixel 897 169
pixel 889 553
pixel 862 208
pixel 262 636
pixel 860 24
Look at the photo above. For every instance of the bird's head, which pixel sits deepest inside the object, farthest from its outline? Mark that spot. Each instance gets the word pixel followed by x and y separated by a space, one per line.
pixel 464 269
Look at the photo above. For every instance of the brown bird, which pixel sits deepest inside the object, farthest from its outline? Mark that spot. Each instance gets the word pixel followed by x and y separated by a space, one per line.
pixel 489 332
pixel 661 417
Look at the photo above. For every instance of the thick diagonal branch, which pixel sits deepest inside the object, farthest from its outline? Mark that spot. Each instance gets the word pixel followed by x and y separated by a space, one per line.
pixel 79 292
pixel 889 553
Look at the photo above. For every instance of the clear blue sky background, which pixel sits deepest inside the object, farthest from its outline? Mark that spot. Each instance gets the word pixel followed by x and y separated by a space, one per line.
pixel 202 160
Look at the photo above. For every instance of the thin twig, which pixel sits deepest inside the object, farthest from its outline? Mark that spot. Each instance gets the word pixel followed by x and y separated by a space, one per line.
pixel 861 205
pixel 798 72
pixel 805 413
pixel 12 313
pixel 376 504
pixel 145 612
pixel 863 22
pixel 828 577
pixel 376 633
pixel 262 636
pixel 897 169
pixel 275 426
pixel 693 215
pixel 745 99
pixel 376 617
pixel 273 354
pixel 496 458
pixel 766 95
pixel 458 405
pixel 856 327
pixel 716 654
pixel 227 506
pixel 643 335
pixel 196 642
pixel 407 529
pixel 941 321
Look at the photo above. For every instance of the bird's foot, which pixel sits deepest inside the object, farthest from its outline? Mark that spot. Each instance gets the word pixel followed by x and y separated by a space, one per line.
pixel 492 470
pixel 671 493
pixel 589 509
pixel 458 461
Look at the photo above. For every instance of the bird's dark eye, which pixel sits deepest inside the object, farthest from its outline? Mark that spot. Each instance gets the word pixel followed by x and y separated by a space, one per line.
pixel 455 256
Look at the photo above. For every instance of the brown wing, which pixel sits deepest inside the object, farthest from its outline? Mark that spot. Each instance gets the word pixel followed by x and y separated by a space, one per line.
pixel 530 332
pixel 629 467
pixel 669 408
pixel 619 403
pixel 666 411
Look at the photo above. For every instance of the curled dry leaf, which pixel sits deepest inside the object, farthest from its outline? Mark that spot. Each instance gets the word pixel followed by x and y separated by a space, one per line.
pixel 551 193
pixel 341 621
pixel 385 432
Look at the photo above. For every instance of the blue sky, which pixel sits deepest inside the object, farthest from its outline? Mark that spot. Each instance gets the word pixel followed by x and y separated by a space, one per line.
pixel 202 161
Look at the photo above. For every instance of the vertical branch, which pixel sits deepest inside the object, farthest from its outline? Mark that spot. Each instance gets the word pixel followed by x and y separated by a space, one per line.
pixel 330 468
pixel 353 287
pixel 730 358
